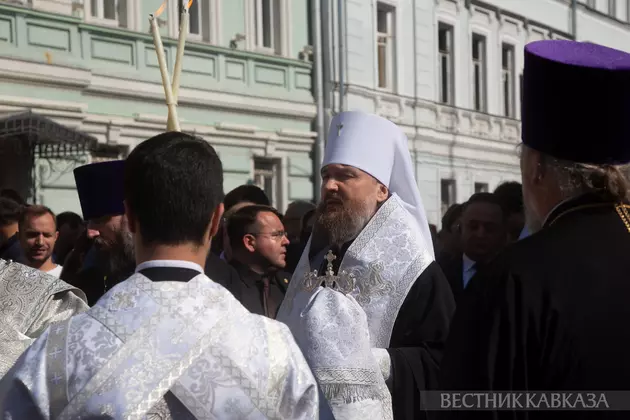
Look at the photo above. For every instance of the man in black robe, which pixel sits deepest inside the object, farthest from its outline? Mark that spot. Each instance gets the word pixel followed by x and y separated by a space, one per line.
pixel 372 235
pixel 551 313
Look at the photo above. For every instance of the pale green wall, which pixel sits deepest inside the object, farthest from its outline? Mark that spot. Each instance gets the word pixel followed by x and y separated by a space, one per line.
pixel 233 20
pixel 39 37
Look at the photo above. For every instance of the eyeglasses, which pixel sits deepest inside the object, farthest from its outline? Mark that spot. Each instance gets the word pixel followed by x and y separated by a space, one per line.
pixel 275 235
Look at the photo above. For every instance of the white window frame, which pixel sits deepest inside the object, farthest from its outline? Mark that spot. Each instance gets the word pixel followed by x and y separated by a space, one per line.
pixel 209 15
pixel 449 55
pixel 612 8
pixel 100 11
pixel 388 41
pixel 508 73
pixel 480 63
pixel 274 171
pixel 253 14
pixel 481 187
pixel 451 185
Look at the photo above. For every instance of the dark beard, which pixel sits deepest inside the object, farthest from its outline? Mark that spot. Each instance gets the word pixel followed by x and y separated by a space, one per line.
pixel 119 260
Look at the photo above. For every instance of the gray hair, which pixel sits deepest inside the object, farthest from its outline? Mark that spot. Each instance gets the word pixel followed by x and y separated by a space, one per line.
pixel 610 181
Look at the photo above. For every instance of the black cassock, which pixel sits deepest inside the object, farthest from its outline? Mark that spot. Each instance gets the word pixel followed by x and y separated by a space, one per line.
pixel 418 338
pixel 552 313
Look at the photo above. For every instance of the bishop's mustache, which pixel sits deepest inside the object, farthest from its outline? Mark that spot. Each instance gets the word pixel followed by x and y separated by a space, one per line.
pixel 331 199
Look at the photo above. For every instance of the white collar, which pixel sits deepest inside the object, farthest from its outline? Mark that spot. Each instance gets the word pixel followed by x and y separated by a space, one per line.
pixel 468 263
pixel 169 263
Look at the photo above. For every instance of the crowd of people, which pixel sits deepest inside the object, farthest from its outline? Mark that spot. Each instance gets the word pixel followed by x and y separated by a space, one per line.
pixel 169 299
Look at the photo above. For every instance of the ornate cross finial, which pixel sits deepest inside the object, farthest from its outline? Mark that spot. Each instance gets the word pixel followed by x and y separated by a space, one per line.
pixel 330 257
pixel 344 282
pixel 339 128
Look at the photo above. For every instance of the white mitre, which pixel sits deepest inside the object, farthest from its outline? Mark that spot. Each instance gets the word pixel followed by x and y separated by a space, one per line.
pixel 378 147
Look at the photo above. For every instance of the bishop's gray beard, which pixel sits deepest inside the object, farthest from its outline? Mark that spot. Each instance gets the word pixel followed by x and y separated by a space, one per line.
pixel 336 224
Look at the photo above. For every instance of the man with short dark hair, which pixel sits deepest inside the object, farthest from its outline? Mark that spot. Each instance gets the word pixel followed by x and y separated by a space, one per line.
pixel 258 241
pixel 511 196
pixel 483 234
pixel 70 226
pixel 38 235
pixel 551 312
pixel 239 196
pixel 168 342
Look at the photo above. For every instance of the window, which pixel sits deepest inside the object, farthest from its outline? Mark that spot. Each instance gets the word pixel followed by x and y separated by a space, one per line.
pixel 266 177
pixel 268 22
pixel 479 72
pixel 612 8
pixel 203 24
pixel 385 45
pixel 448 194
pixel 109 12
pixel 481 187
pixel 507 79
pixel 195 25
pixel 445 63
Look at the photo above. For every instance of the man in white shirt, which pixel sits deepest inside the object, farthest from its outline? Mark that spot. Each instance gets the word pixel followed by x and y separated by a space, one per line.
pixel 37 232
pixel 168 342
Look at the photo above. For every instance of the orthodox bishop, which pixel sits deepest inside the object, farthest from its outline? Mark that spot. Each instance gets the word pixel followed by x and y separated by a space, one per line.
pixel 368 304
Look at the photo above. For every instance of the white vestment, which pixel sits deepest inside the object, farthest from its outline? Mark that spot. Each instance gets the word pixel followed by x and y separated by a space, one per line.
pixel 181 350
pixel 383 262
pixel 30 300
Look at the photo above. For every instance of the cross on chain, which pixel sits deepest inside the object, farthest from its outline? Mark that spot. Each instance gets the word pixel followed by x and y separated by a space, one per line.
pixel 339 128
pixel 56 352
pixel 330 257
pixel 57 379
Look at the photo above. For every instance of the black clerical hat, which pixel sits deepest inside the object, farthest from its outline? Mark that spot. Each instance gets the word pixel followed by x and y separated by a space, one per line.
pixel 100 188
pixel 576 101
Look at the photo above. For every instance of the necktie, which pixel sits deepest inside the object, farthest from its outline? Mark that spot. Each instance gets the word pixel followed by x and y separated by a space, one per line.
pixel 265 280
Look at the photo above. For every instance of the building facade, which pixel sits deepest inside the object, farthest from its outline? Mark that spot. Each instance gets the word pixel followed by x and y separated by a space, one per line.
pixel 91 65
pixel 449 72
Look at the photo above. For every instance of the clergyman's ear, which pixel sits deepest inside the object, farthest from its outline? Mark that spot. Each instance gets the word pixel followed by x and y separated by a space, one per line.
pixel 215 222
pixel 131 221
pixel 383 193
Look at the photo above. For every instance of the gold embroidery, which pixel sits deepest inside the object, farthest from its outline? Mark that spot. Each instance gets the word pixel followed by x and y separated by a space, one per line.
pixel 621 208
pixel 622 211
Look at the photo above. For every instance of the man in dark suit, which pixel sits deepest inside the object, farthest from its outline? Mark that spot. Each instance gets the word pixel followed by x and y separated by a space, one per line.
pixel 483 231
pixel 258 241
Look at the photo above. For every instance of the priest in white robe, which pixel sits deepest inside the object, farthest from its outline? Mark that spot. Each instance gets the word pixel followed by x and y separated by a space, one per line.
pixel 168 342
pixel 30 300
pixel 373 319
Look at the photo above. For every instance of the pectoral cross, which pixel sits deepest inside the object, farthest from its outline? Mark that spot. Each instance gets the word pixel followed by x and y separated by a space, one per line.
pixel 339 128
pixel 344 282
pixel 330 257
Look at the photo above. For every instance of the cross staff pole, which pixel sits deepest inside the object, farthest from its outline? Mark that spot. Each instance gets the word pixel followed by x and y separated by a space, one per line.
pixel 171 91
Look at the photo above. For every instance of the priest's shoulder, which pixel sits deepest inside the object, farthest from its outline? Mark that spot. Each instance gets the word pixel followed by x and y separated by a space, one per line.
pixel 532 261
